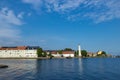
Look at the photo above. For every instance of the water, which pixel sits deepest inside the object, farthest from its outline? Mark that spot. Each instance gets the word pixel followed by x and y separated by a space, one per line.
pixel 61 69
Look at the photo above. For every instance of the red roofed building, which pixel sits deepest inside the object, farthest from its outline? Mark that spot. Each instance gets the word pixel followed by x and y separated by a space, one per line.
pixel 56 53
pixel 14 48
pixel 68 53
pixel 18 51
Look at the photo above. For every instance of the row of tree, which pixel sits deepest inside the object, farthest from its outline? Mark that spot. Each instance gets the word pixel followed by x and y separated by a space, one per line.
pixel 41 53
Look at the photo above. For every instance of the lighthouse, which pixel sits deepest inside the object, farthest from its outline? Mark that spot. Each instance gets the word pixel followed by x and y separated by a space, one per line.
pixel 79 51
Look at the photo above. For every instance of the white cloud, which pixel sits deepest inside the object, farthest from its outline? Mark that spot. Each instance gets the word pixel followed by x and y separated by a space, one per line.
pixel 8 23
pixel 63 5
pixel 108 10
pixel 35 3
pixel 97 10
pixel 20 15
pixel 9 17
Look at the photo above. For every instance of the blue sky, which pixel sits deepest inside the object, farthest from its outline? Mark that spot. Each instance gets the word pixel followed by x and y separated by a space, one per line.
pixel 57 24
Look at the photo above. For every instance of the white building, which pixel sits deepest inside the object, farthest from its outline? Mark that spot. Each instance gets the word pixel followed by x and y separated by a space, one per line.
pixel 18 52
pixel 55 53
pixel 68 53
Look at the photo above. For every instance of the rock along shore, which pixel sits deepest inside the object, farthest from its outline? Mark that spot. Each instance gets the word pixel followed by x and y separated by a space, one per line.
pixel 3 66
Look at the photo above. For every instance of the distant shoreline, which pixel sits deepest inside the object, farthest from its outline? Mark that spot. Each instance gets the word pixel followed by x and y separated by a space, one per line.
pixel 25 58
pixel 52 58
pixel 34 58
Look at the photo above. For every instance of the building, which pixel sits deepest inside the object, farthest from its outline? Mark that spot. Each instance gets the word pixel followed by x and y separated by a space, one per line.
pixel 56 53
pixel 19 52
pixel 99 52
pixel 90 54
pixel 68 53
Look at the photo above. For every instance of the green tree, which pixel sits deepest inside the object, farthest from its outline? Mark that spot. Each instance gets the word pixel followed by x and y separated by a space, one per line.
pixel 76 53
pixel 39 52
pixel 60 51
pixel 67 49
pixel 103 52
pixel 84 53
pixel 50 55
pixel 44 54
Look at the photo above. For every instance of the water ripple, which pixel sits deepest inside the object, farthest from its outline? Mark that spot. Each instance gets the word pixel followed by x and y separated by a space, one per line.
pixel 61 69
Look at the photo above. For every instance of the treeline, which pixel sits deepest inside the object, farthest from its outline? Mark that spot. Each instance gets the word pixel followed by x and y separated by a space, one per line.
pixel 42 53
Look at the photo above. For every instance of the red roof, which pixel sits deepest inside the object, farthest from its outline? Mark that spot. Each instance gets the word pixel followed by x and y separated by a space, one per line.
pixel 13 48
pixel 54 52
pixel 68 52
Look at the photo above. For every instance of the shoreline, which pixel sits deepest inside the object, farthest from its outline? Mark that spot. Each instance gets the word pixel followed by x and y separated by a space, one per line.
pixel 34 58
pixel 42 58
pixel 24 58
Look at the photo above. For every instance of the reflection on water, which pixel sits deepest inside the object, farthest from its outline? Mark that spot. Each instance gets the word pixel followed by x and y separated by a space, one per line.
pixel 80 65
pixel 61 69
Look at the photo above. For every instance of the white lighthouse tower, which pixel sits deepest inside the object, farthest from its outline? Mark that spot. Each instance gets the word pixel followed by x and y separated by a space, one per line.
pixel 79 51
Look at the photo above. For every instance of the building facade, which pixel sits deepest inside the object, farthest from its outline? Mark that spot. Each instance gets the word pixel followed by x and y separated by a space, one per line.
pixel 56 53
pixel 18 52
pixel 68 53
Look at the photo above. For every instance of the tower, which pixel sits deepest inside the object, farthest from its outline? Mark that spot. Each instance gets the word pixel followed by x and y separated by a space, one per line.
pixel 79 51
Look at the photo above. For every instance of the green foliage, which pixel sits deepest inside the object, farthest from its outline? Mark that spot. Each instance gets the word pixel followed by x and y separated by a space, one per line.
pixel 39 52
pixel 76 53
pixel 44 54
pixel 50 55
pixel 103 52
pixel 84 53
pixel 60 51
pixel 67 49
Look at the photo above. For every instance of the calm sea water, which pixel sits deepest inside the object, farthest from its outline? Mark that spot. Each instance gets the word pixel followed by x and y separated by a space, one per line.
pixel 61 69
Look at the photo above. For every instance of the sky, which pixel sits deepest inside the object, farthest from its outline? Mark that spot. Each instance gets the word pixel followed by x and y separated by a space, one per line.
pixel 59 24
